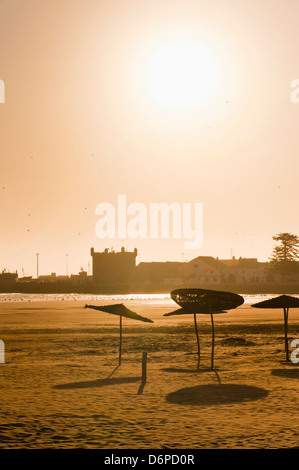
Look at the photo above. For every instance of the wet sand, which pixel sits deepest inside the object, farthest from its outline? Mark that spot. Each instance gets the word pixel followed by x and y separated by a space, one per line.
pixel 61 388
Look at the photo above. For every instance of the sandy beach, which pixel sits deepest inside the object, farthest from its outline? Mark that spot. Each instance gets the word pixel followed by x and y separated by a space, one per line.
pixel 61 387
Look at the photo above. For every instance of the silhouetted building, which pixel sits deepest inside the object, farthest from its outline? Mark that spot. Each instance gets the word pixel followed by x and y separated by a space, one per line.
pixel 204 269
pixel 80 278
pixel 25 279
pixel 8 278
pixel 208 270
pixel 113 267
pixel 51 278
pixel 241 262
pixel 158 271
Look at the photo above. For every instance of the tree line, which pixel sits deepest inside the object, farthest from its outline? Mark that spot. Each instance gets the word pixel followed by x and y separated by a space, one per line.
pixel 285 255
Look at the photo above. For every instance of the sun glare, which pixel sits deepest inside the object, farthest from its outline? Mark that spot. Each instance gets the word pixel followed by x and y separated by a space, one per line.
pixel 181 75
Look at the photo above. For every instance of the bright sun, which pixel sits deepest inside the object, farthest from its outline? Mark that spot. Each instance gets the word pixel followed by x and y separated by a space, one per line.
pixel 181 75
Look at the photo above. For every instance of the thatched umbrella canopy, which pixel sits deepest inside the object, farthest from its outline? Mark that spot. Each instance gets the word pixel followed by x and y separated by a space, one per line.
pixel 204 301
pixel 122 311
pixel 285 302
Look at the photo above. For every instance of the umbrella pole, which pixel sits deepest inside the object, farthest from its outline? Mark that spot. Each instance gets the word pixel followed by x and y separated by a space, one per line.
pixel 120 339
pixel 213 340
pixel 197 339
pixel 286 314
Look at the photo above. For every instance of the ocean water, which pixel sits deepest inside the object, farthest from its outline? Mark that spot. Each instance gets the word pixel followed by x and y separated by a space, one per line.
pixel 19 297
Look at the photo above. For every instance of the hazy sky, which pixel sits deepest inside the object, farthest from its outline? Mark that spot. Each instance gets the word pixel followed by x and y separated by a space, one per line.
pixel 90 113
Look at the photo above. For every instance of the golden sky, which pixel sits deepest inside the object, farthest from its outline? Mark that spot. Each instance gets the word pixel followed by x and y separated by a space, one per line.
pixel 90 112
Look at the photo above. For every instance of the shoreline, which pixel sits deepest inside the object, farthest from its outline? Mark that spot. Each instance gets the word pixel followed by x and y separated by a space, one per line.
pixel 65 287
pixel 70 311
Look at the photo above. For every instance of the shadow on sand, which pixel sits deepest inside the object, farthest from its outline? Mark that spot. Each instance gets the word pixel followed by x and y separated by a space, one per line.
pixel 288 373
pixel 184 371
pixel 191 371
pixel 208 395
pixel 98 383
pixel 104 382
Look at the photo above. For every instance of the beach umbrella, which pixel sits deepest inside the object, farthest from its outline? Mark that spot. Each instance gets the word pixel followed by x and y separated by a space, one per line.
pixel 204 301
pixel 122 311
pixel 285 302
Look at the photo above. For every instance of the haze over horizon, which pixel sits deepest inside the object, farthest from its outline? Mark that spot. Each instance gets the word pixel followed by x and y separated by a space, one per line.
pixel 163 101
